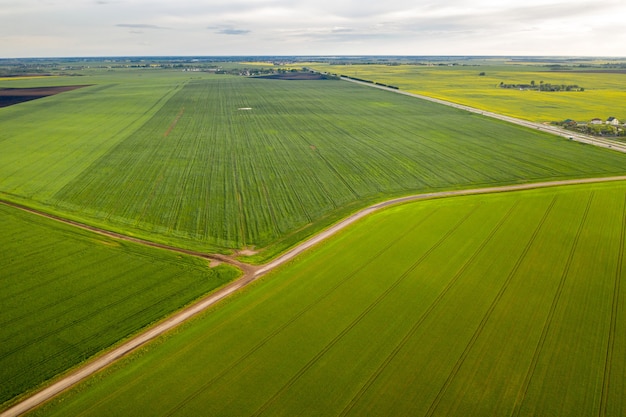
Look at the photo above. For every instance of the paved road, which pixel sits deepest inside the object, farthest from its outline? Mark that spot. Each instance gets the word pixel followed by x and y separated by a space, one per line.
pixel 251 273
pixel 555 130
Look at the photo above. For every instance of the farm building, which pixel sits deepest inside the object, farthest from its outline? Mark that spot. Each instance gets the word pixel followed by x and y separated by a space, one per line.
pixel 570 122
pixel 596 121
pixel 612 121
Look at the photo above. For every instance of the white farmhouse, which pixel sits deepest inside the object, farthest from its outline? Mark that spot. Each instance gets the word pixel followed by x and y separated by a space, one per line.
pixel 612 121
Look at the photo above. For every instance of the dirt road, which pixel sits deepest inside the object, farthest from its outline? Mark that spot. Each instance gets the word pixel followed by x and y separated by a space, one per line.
pixel 251 273
pixel 211 256
pixel 555 130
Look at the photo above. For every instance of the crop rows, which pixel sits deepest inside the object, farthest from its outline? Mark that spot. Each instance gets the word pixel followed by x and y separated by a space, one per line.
pixel 602 97
pixel 204 172
pixel 67 295
pixel 485 305
pixel 48 142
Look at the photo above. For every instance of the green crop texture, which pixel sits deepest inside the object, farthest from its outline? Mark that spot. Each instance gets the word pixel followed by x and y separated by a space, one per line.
pixel 604 93
pixel 48 142
pixel 491 305
pixel 67 294
pixel 225 162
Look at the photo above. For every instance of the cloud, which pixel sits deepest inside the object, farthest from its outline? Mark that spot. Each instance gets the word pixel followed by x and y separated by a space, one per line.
pixel 141 26
pixel 228 30
pixel 233 32
pixel 342 30
pixel 404 27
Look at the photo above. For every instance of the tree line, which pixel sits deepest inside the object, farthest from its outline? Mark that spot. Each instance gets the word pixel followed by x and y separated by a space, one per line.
pixel 543 86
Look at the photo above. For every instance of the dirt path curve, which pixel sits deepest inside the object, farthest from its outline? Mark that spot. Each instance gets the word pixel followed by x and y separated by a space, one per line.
pixel 251 273
pixel 555 130
pixel 246 268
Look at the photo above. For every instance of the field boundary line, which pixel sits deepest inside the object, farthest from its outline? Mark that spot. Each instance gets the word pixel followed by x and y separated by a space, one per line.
pixel 461 360
pixel 250 273
pixel 575 136
pixel 613 326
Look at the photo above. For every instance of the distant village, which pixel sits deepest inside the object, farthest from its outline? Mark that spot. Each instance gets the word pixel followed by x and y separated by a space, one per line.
pixel 542 86
pixel 596 126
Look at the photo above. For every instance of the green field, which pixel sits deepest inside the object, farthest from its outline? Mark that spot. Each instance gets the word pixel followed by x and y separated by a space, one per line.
pixel 604 93
pixel 182 161
pixel 217 162
pixel 67 294
pixel 489 305
pixel 50 141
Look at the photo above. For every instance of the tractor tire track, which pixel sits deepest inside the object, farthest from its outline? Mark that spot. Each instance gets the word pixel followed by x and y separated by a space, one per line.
pixel 362 315
pixel 548 323
pixel 425 315
pixel 614 313
pixel 487 315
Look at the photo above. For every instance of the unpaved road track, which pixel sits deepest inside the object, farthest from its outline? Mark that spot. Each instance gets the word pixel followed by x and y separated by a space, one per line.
pixel 211 256
pixel 251 273
pixel 578 137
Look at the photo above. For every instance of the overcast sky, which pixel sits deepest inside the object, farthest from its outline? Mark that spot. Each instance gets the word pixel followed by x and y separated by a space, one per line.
pixel 52 28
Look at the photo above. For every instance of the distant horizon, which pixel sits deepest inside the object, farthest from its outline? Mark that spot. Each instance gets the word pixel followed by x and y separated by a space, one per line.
pixel 102 28
pixel 326 56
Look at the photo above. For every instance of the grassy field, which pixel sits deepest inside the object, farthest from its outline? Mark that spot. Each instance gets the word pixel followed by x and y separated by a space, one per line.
pixel 502 304
pixel 183 161
pixel 50 141
pixel 604 93
pixel 67 294
pixel 216 162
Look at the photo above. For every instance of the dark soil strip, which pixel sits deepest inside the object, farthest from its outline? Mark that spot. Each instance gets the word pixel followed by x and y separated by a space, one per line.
pixel 173 125
pixel 12 96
